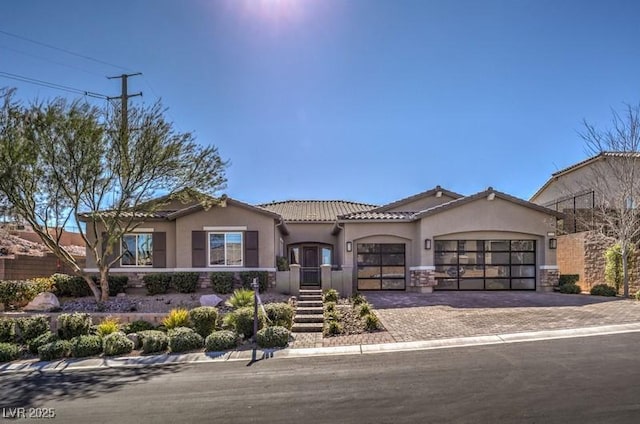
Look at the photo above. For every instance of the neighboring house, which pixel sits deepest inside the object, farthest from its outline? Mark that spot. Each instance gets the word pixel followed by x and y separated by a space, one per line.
pixel 437 239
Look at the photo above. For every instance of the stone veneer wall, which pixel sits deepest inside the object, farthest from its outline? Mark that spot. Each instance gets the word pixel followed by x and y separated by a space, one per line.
pixel 422 280
pixel 135 279
pixel 549 279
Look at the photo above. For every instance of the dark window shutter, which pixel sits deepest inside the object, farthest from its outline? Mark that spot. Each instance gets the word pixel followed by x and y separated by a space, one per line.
pixel 198 249
pixel 114 253
pixel 159 249
pixel 251 249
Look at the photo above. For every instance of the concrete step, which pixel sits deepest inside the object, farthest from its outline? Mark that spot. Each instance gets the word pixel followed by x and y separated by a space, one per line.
pixel 312 310
pixel 312 292
pixel 309 318
pixel 304 297
pixel 309 303
pixel 306 328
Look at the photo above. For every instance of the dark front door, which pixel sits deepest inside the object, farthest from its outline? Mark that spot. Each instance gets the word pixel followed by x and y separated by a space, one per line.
pixel 310 266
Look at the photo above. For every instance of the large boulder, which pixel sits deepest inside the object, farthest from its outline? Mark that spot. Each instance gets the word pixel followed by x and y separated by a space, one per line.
pixel 43 302
pixel 210 300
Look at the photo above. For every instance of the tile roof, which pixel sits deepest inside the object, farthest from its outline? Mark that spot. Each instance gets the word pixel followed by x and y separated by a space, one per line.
pixel 380 216
pixel 430 192
pixel 315 210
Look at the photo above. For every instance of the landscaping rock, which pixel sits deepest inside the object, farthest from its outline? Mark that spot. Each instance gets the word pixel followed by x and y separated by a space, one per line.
pixel 43 302
pixel 135 339
pixel 210 300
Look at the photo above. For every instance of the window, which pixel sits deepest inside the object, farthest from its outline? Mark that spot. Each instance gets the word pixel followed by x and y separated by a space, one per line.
pixel 137 250
pixel 326 256
pixel 225 249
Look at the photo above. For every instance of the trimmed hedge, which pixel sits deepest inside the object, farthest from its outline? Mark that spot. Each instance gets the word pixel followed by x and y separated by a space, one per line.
pixel 568 279
pixel 570 289
pixel 55 350
pixel 241 320
pixel 603 290
pixel 222 282
pixel 221 340
pixel 203 319
pixel 185 282
pixel 117 283
pixel 88 345
pixel 138 326
pixel 153 341
pixel 279 314
pixel 247 279
pixel 70 286
pixel 270 337
pixel 7 330
pixel 28 328
pixel 15 294
pixel 9 352
pixel 41 340
pixel 73 325
pixel 116 344
pixel 182 339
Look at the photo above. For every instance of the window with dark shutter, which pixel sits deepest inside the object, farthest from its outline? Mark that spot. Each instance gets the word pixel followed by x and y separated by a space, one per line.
pixel 251 258
pixel 159 250
pixel 198 249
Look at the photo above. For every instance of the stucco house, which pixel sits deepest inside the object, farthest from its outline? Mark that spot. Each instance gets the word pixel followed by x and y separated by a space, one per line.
pixel 434 240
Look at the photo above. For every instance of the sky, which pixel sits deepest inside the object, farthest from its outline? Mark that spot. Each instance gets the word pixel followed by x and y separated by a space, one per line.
pixel 361 100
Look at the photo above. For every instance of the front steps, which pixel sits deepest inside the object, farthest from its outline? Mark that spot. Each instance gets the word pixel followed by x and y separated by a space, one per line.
pixel 309 316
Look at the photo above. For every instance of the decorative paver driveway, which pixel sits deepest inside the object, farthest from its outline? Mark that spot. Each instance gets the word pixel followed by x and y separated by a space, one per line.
pixel 412 316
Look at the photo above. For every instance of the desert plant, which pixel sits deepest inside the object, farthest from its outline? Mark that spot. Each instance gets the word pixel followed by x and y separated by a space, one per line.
pixel 116 344
pixel 9 352
pixel 329 307
pixel 57 349
pixel 364 309
pixel 247 279
pixel 153 341
pixel 332 328
pixel 221 340
pixel 275 336
pixel 603 290
pixel 330 295
pixel 240 298
pixel 7 330
pixel 82 346
pixel 70 286
pixel 107 326
pixel 570 289
pixel 182 339
pixel 41 340
pixel 138 326
pixel 177 318
pixel 203 319
pixel 279 314
pixel 357 299
pixel 72 325
pixel 568 279
pixel 282 264
pixel 221 282
pixel 332 316
pixel 371 322
pixel 185 282
pixel 29 328
pixel 157 283
pixel 241 321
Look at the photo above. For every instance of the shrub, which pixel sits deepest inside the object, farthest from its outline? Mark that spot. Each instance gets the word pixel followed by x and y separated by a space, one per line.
pixel 332 316
pixel 116 344
pixel 221 282
pixel 138 326
pixel 73 325
pixel 329 307
pixel 41 340
pixel 248 276
pixel 241 298
pixel 282 264
pixel 371 322
pixel 153 341
pixel 638 295
pixel 70 286
pixel 603 290
pixel 117 283
pixel 570 289
pixel 330 295
pixel 185 282
pixel 357 299
pixel 364 309
pixel 182 339
pixel 177 318
pixel 107 326
pixel 7 330
pixel 157 283
pixel 82 346
pixel 273 337
pixel 55 350
pixel 332 328
pixel 16 294
pixel 221 340
pixel 613 272
pixel 568 279
pixel 203 319
pixel 279 314
pixel 9 352
pixel 31 327
pixel 241 320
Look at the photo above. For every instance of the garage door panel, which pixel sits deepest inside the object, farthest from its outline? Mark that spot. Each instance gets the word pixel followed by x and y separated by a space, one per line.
pixel 381 266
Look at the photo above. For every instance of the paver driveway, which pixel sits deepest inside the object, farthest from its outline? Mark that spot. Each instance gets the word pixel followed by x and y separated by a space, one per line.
pixel 412 316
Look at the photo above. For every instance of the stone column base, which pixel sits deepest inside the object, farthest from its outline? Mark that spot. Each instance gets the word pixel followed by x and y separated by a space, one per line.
pixel 422 279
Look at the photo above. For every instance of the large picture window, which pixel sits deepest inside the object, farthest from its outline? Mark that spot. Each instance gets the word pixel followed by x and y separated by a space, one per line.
pixel 381 266
pixel 225 249
pixel 137 250
pixel 485 264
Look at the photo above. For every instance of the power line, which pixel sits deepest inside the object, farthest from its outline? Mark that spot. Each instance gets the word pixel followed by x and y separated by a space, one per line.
pixel 93 59
pixel 52 85
pixel 46 59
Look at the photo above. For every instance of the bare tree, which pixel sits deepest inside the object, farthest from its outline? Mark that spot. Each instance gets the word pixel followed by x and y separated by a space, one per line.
pixel 67 163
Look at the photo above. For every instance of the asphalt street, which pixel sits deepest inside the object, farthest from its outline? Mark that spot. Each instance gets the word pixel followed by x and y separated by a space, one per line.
pixel 577 380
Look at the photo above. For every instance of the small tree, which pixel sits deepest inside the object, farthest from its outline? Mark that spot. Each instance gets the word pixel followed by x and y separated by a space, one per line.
pixel 68 162
pixel 613 271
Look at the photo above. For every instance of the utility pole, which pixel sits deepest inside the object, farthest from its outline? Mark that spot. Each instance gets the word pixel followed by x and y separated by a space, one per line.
pixel 124 125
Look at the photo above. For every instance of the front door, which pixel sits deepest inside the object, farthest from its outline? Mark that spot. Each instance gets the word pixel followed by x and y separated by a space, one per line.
pixel 310 266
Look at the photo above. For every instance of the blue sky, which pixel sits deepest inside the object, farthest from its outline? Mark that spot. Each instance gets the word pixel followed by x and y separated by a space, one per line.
pixel 364 100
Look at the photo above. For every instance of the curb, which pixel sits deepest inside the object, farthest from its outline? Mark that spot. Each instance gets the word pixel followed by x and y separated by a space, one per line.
pixel 256 355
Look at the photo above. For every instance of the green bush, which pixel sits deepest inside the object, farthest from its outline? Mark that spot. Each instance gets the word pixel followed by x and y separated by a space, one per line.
pixel 247 278
pixel 270 337
pixel 332 316
pixel 279 314
pixel 55 350
pixel 603 290
pixel 16 294
pixel 117 283
pixel 185 282
pixel 329 307
pixel 153 341
pixel 332 328
pixel 138 326
pixel 568 279
pixel 221 340
pixel 9 352
pixel 371 322
pixel 241 321
pixel 41 340
pixel 330 295
pixel 82 346
pixel 364 309
pixel 183 339
pixel 221 282
pixel 116 344
pixel 638 295
pixel 204 319
pixel 176 318
pixel 70 286
pixel 613 272
pixel 107 326
pixel 241 298
pixel 7 330
pixel 357 299
pixel 282 264
pixel 73 325
pixel 31 327
pixel 570 289
pixel 157 283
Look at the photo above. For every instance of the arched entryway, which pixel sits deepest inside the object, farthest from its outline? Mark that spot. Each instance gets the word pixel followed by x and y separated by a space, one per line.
pixel 310 256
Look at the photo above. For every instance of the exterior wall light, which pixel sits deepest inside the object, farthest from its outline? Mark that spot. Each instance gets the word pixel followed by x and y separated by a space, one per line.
pixel 553 243
pixel 427 244
pixel 349 246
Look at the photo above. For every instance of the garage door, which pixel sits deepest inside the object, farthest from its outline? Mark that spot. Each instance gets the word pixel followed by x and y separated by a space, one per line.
pixel 381 266
pixel 485 264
